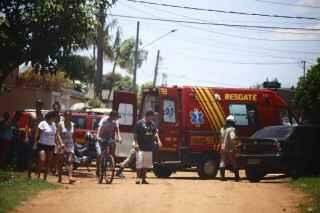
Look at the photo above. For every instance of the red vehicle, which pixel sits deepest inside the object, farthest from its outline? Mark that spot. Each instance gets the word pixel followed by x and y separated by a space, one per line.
pixel 190 118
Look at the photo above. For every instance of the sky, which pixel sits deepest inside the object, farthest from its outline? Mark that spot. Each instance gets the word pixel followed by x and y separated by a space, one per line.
pixel 201 55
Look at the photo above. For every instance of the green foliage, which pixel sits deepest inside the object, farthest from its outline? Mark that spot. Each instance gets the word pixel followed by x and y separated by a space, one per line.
pixel 310 185
pixel 122 52
pixel 308 94
pixel 274 84
pixel 78 67
pixel 42 31
pixel 126 55
pixel 117 80
pixel 95 103
pixel 15 188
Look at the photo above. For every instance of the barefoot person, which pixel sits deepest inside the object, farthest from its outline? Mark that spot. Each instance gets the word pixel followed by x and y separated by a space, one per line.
pixel 146 137
pixel 66 134
pixel 47 133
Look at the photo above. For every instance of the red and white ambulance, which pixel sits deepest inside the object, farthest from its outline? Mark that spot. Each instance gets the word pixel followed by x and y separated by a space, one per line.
pixel 190 118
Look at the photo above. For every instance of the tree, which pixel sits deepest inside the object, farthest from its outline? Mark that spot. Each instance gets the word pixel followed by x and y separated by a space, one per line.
pixel 274 84
pixel 119 81
pixel 122 54
pixel 308 94
pixel 42 31
pixel 78 67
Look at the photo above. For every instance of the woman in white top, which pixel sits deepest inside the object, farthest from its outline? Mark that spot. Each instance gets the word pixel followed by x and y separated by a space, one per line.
pixel 66 134
pixel 47 134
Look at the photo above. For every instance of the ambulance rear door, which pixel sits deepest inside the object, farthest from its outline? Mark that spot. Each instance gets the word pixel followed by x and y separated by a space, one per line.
pixel 125 103
pixel 169 130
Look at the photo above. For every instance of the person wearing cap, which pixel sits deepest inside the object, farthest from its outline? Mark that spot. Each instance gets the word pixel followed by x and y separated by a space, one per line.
pixel 146 137
pixel 108 132
pixel 228 135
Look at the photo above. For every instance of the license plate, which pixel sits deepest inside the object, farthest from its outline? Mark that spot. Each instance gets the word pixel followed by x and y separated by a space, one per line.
pixel 254 161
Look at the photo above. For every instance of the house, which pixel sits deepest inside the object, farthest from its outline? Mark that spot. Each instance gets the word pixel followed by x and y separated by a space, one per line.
pixel 24 91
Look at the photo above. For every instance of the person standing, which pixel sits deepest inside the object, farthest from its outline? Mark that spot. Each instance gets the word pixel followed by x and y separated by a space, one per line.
pixel 228 148
pixel 30 137
pixel 6 136
pixel 146 137
pixel 108 132
pixel 47 133
pixel 58 152
pixel 66 134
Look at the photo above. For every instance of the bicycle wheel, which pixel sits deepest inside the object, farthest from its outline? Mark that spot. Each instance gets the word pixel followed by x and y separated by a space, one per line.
pixel 109 169
pixel 102 170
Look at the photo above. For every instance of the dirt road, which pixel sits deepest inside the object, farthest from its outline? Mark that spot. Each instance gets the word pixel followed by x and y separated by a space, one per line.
pixel 184 192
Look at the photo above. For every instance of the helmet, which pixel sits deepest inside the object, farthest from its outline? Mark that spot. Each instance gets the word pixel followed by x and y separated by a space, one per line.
pixel 230 118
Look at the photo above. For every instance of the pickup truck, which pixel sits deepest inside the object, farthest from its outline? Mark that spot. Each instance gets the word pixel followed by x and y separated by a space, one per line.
pixel 293 150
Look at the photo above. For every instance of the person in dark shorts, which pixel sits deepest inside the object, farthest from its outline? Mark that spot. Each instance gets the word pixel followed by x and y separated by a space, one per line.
pixel 146 137
pixel 48 139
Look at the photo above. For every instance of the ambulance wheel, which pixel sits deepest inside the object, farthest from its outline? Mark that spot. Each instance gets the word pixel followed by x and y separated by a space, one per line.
pixel 208 168
pixel 254 174
pixel 161 171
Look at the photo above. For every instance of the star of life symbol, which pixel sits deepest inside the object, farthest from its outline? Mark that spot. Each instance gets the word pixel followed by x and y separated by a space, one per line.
pixel 196 117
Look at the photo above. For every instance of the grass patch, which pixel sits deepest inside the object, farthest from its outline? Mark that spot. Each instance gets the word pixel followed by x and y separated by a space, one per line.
pixel 16 188
pixel 310 185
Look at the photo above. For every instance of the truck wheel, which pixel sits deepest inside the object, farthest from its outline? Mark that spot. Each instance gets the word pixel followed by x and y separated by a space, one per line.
pixel 161 171
pixel 254 174
pixel 208 169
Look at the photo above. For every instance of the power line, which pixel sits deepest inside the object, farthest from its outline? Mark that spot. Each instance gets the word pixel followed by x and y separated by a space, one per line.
pixel 233 47
pixel 224 11
pixel 214 23
pixel 288 4
pixel 197 19
pixel 235 35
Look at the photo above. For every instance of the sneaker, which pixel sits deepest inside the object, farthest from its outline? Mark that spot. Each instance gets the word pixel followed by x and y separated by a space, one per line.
pixel 145 182
pixel 137 181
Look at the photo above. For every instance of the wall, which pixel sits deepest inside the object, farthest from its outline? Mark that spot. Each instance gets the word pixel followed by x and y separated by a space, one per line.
pixel 20 98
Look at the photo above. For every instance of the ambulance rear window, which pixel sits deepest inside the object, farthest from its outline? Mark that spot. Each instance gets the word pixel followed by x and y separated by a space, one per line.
pixel 244 114
pixel 169 111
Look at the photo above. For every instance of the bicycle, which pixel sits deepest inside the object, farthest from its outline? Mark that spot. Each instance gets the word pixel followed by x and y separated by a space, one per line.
pixel 107 164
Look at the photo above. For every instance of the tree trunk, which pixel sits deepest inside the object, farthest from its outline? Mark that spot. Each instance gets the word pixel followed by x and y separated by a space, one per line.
pixel 99 72
pixel 113 72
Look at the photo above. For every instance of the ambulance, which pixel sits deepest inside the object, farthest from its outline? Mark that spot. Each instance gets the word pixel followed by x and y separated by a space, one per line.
pixel 189 120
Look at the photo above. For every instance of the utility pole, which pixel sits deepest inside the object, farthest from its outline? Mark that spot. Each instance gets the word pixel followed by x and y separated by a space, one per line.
pixel 156 69
pixel 304 69
pixel 100 37
pixel 136 58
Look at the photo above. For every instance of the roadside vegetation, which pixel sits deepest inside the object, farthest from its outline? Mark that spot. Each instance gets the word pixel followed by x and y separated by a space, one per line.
pixel 16 188
pixel 310 185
